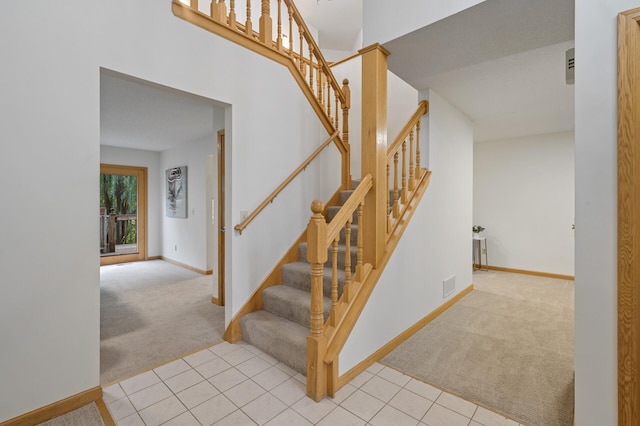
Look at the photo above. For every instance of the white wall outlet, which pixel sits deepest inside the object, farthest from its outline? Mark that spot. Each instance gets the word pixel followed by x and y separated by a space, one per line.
pixel 449 286
pixel 175 248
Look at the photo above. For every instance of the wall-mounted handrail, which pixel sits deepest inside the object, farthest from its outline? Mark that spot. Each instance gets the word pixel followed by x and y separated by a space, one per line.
pixel 242 225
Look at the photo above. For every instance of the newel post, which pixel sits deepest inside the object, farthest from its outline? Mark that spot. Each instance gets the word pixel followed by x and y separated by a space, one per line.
pixel 266 23
pixel 316 341
pixel 374 150
pixel 346 158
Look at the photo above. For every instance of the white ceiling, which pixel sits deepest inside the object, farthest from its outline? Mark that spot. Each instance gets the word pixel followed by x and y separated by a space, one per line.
pixel 500 62
pixel 141 115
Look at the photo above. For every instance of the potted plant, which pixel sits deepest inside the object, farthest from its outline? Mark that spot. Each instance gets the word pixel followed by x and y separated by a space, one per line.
pixel 477 229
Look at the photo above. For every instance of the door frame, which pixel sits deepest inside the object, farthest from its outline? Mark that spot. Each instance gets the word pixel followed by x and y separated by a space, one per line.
pixel 221 219
pixel 141 174
pixel 629 217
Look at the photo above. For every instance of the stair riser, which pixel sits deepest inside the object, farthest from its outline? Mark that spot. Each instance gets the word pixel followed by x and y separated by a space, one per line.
pixel 293 354
pixel 299 279
pixel 299 313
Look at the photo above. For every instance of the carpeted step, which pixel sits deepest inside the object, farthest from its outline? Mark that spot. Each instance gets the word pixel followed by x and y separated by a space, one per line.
pixel 332 211
pixel 291 303
pixel 344 195
pixel 342 249
pixel 298 275
pixel 284 340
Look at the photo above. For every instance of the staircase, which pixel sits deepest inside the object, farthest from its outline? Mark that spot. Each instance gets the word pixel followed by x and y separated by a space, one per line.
pixel 281 328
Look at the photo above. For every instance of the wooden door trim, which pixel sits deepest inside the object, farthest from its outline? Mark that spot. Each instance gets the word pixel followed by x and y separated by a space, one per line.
pixel 141 173
pixel 629 217
pixel 220 219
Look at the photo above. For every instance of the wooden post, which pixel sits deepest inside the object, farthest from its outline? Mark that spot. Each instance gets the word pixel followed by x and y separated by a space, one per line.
pixel 219 11
pixel 265 23
pixel 111 234
pixel 232 15
pixel 346 158
pixel 316 341
pixel 412 172
pixel 247 25
pixel 374 149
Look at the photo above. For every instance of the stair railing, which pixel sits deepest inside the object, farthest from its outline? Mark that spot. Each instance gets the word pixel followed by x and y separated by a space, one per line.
pixel 322 238
pixel 242 225
pixel 293 45
pixel 404 176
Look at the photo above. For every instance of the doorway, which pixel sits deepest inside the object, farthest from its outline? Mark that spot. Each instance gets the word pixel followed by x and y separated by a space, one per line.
pixel 123 214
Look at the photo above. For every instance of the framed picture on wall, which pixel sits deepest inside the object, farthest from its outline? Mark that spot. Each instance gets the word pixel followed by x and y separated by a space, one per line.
pixel 176 179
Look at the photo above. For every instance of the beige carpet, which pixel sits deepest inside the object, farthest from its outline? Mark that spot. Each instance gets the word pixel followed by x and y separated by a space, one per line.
pixel 151 312
pixel 83 416
pixel 507 345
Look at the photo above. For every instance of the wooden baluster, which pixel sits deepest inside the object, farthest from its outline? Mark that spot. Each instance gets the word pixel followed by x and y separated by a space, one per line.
pixel 247 25
pixel 388 198
pixel 316 341
pixel 328 92
pixel 360 246
pixel 219 11
pixel 418 149
pixel 301 57
pixel 337 116
pixel 290 31
pixel 232 15
pixel 396 194
pixel 412 175
pixel 346 160
pixel 311 68
pixel 193 4
pixel 346 290
pixel 403 193
pixel 266 23
pixel 319 76
pixel 334 272
pixel 279 39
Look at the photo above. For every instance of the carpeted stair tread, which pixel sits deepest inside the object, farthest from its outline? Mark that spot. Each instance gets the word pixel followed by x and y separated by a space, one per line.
pixel 284 340
pixel 291 303
pixel 344 195
pixel 332 211
pixel 298 275
pixel 342 249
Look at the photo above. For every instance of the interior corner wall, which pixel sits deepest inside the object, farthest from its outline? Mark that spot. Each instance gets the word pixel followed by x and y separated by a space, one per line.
pixel 402 102
pixel 596 211
pixel 384 20
pixel 434 247
pixel 150 160
pixel 523 194
pixel 185 239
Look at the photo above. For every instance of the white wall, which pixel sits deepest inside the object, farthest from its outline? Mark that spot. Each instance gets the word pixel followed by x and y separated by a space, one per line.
pixel 596 211
pixel 434 247
pixel 150 160
pixel 49 250
pixel 55 305
pixel 402 102
pixel 384 20
pixel 185 239
pixel 523 194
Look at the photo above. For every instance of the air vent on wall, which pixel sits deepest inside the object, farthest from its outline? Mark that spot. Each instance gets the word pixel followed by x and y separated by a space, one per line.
pixel 570 66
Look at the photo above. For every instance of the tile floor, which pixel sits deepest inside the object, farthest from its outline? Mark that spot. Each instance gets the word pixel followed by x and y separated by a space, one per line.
pixel 237 384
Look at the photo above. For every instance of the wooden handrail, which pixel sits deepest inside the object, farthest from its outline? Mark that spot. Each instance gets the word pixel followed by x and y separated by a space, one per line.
pixel 423 108
pixel 241 226
pixel 347 209
pixel 345 59
pixel 316 50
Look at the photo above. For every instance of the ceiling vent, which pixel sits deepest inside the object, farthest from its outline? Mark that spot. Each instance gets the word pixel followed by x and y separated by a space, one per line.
pixel 570 66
